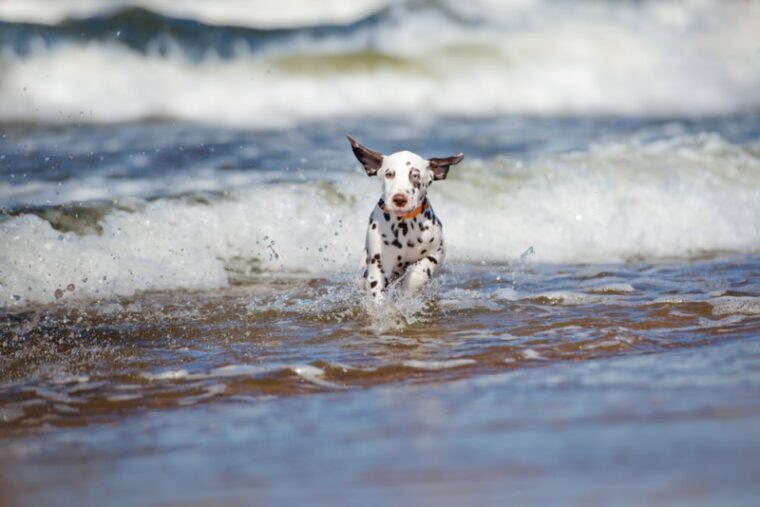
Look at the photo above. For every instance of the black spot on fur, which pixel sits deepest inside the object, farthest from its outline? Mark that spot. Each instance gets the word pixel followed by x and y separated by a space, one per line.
pixel 372 285
pixel 365 274
pixel 432 259
pixel 428 273
pixel 415 182
pixel 423 252
pixel 374 226
pixel 410 244
pixel 387 217
pixel 399 257
pixel 385 242
pixel 396 244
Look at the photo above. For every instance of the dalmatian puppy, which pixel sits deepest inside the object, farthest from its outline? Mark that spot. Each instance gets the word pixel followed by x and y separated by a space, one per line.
pixel 405 238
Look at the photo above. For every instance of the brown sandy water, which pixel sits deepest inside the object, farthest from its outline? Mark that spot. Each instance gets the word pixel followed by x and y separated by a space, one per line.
pixel 237 393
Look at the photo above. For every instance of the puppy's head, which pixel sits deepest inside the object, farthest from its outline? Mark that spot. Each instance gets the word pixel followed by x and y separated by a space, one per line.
pixel 405 175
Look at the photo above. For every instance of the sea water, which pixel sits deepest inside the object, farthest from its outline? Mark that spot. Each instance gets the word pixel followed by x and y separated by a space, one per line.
pixel 182 222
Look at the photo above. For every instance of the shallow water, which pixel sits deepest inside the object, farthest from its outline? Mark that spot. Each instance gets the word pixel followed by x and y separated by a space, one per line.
pixel 572 383
pixel 70 365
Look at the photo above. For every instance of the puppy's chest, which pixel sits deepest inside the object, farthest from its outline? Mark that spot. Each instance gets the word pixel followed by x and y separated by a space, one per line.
pixel 411 239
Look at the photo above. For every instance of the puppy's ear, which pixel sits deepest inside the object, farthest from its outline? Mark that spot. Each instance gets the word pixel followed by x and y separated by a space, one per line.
pixel 440 166
pixel 371 160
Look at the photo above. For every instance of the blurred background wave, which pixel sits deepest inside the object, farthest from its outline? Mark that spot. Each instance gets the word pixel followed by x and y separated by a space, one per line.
pixel 259 63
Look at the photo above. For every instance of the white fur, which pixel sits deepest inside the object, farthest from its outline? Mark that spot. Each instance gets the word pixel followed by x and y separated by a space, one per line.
pixel 407 249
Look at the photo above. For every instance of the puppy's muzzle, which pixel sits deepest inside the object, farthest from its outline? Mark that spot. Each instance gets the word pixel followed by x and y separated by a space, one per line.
pixel 400 200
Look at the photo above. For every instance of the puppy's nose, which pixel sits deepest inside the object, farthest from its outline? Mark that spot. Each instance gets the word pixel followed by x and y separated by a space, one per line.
pixel 400 200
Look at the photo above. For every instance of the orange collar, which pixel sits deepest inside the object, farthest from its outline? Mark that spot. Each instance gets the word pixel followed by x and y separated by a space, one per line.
pixel 415 212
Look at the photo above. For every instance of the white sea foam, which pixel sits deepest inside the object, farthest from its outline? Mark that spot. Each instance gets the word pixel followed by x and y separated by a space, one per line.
pixel 674 198
pixel 253 13
pixel 540 57
pixel 460 299
pixel 167 375
pixel 533 355
pixel 119 398
pixel 612 288
pixel 567 297
pixel 438 365
pixel 100 187
pixel 731 305
pixel 314 375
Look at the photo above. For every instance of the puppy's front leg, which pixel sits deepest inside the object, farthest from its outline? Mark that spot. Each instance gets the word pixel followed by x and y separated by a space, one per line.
pixel 421 271
pixel 375 279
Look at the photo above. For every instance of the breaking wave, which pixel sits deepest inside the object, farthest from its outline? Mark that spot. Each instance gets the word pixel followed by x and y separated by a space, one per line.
pixel 682 197
pixel 405 58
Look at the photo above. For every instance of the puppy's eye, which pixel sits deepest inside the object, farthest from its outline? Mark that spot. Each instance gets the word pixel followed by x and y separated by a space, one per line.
pixel 414 176
pixel 390 174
